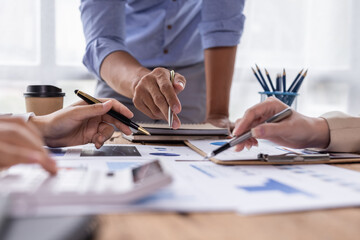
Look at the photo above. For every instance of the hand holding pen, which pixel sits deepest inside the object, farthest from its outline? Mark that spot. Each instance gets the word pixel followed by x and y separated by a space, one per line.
pixel 153 93
pixel 120 117
pixel 246 136
pixel 297 131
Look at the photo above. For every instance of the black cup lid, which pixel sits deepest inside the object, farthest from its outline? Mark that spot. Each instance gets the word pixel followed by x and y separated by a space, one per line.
pixel 43 91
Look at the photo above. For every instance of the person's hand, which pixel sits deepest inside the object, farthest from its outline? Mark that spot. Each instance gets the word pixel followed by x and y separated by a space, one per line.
pixel 296 131
pixel 221 121
pixel 21 142
pixel 82 123
pixel 154 93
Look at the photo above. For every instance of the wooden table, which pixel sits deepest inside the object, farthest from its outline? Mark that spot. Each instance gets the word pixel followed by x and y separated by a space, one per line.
pixel 323 224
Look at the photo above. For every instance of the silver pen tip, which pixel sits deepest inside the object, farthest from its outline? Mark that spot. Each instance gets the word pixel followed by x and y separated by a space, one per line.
pixel 209 155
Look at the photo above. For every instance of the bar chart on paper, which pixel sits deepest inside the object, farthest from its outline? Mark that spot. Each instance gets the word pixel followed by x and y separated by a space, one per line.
pixel 274 185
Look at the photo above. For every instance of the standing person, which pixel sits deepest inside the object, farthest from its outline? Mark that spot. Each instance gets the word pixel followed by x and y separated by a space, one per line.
pixel 132 45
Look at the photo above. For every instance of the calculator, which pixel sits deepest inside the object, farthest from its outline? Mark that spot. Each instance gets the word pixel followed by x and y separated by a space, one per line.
pixel 32 187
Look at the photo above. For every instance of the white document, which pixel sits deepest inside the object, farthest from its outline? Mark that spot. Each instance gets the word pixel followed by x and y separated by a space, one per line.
pixel 284 188
pixel 264 147
pixel 205 186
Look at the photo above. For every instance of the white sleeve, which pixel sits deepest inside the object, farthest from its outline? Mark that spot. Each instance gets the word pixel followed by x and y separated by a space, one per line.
pixel 24 116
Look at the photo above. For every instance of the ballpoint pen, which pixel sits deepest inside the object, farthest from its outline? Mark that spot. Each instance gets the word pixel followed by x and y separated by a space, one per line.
pixel 276 118
pixel 170 112
pixel 91 100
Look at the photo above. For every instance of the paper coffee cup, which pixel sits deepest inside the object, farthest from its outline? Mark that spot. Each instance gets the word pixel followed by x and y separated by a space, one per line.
pixel 43 99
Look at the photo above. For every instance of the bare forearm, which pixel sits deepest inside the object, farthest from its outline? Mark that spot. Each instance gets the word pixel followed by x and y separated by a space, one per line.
pixel 121 72
pixel 219 69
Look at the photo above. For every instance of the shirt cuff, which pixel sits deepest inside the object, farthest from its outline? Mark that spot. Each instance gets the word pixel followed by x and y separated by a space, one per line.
pixel 25 116
pixel 98 50
pixel 344 132
pixel 222 33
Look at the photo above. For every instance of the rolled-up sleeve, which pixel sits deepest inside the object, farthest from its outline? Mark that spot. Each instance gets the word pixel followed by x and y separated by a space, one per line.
pixel 222 23
pixel 24 116
pixel 104 29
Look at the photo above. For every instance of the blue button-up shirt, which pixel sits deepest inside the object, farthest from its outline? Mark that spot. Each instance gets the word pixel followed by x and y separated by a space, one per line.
pixel 159 32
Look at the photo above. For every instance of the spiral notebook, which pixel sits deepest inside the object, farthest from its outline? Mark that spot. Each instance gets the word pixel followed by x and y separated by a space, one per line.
pixel 162 133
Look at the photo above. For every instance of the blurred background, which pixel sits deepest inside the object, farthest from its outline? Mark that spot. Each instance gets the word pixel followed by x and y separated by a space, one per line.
pixel 42 43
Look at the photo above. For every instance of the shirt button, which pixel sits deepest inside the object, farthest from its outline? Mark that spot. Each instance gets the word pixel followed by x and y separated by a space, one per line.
pixel 169 27
pixel 174 0
pixel 166 51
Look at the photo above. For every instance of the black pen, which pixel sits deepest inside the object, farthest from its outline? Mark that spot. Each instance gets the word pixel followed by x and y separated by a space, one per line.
pixel 276 118
pixel 91 100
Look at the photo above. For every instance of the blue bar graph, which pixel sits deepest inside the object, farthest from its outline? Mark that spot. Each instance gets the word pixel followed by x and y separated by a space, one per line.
pixel 273 185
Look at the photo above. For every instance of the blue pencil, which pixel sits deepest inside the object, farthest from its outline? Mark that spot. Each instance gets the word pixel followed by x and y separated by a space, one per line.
pixel 271 83
pixel 284 80
pixel 295 80
pixel 257 77
pixel 262 78
pixel 296 88
pixel 298 85
pixel 278 82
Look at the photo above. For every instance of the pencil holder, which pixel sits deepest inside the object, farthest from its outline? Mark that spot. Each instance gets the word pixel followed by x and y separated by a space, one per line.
pixel 289 98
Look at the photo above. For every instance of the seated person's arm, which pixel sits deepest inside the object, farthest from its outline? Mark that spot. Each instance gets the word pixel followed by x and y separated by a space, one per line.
pixel 344 132
pixel 81 123
pixel 21 142
pixel 297 131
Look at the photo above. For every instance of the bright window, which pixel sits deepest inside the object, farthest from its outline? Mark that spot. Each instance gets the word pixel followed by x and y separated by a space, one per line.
pixel 42 42
pixel 321 35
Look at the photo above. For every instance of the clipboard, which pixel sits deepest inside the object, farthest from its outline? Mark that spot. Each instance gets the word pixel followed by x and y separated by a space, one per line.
pixel 286 158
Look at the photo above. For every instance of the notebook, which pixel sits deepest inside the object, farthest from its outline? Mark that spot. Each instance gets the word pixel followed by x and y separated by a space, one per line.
pixel 162 133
